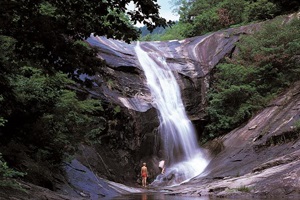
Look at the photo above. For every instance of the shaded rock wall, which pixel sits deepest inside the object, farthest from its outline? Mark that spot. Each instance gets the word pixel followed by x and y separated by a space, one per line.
pixel 123 83
pixel 242 152
pixel 262 156
pixel 191 60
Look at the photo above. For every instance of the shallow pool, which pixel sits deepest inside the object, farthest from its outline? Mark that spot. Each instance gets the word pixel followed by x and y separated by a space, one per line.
pixel 156 196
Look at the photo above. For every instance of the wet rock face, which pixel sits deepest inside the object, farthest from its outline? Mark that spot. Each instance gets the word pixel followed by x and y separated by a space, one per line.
pixel 260 159
pixel 269 135
pixel 122 83
pixel 191 60
pixel 267 146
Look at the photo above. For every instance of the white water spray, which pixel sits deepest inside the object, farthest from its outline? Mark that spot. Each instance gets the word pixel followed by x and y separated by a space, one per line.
pixel 184 158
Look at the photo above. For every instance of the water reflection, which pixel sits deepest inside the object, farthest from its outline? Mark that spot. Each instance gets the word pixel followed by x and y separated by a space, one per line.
pixel 144 197
pixel 156 196
pixel 162 196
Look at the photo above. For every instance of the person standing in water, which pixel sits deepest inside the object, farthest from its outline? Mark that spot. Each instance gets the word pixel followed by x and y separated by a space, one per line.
pixel 144 174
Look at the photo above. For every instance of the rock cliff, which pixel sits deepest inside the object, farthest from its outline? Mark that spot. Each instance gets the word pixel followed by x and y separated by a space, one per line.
pixel 122 83
pixel 263 143
pixel 261 158
pixel 131 136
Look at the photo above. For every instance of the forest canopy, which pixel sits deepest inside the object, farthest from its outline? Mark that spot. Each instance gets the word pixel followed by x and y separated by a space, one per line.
pixel 267 64
pixel 198 17
pixel 43 53
pixel 42 45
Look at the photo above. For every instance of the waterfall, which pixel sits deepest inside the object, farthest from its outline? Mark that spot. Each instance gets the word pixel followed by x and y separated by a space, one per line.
pixel 183 156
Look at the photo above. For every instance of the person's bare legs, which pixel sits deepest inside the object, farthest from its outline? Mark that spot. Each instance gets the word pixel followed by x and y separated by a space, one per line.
pixel 144 181
pixel 144 174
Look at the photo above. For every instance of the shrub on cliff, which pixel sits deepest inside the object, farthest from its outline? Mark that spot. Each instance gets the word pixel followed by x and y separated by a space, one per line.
pixel 41 49
pixel 199 17
pixel 6 175
pixel 268 62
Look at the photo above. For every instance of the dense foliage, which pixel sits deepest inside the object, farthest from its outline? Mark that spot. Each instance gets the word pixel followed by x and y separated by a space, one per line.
pixel 268 62
pixel 198 17
pixel 42 55
pixel 6 173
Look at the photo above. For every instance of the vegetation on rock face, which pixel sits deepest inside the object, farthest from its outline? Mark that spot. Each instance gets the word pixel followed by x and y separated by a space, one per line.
pixel 42 56
pixel 6 173
pixel 297 126
pixel 198 17
pixel 268 62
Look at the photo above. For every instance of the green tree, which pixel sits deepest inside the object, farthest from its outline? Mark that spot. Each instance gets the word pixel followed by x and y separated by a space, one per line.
pixel 177 31
pixel 260 10
pixel 287 6
pixel 276 56
pixel 6 175
pixel 8 67
pixel 268 62
pixel 47 123
pixel 231 100
pixel 48 29
pixel 203 16
pixel 58 119
pixel 42 48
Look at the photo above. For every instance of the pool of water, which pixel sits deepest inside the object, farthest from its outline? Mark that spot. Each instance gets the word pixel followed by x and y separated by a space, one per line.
pixel 156 196
pixel 163 196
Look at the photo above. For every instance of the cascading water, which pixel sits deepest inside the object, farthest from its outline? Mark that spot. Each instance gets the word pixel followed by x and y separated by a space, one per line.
pixel 184 158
